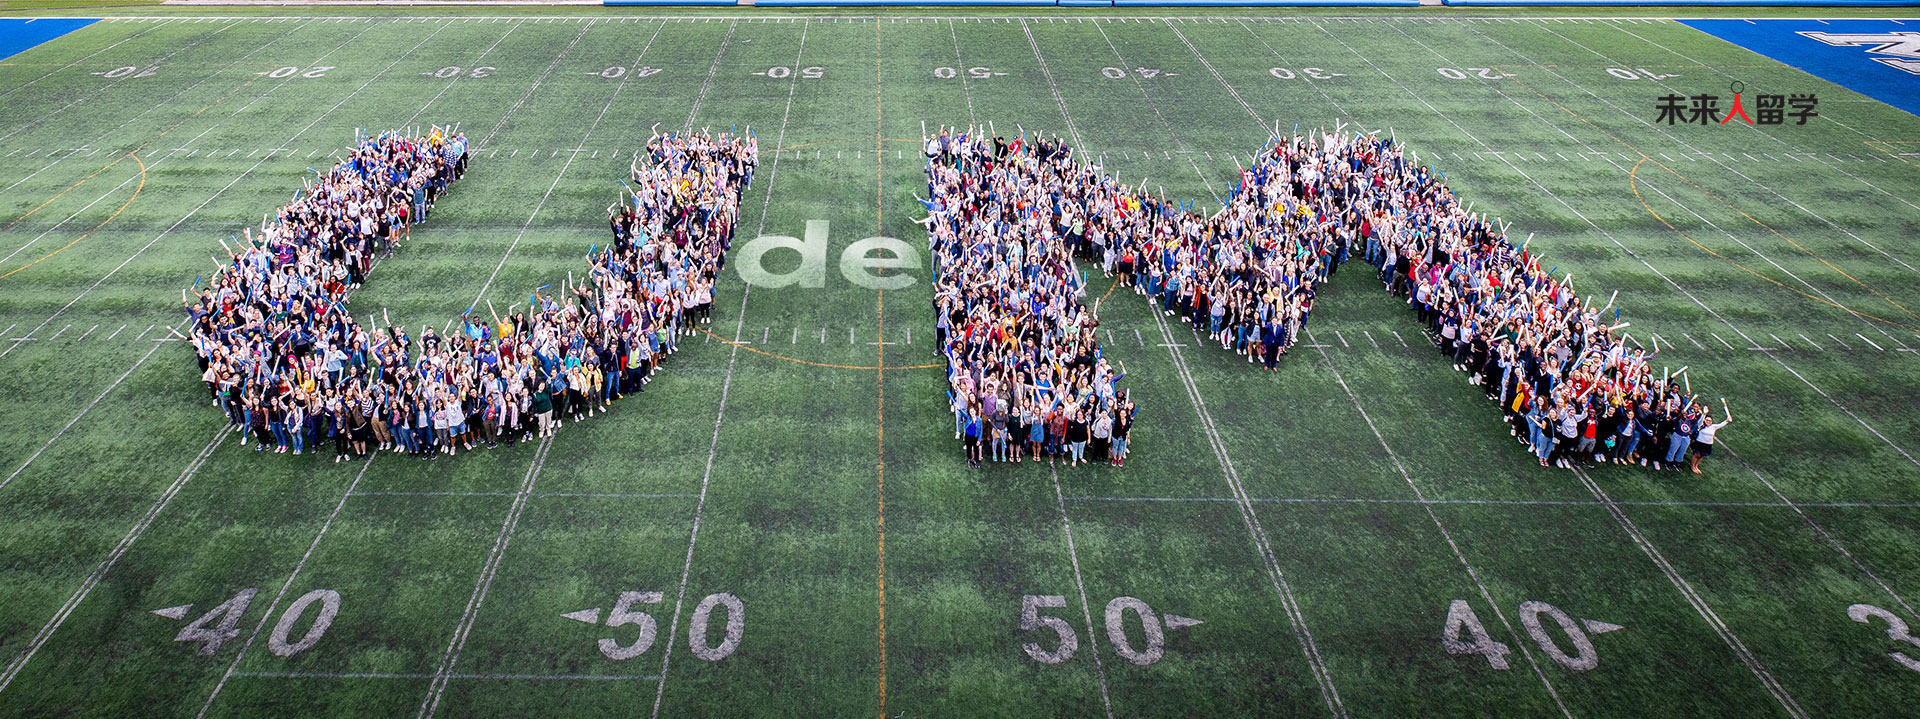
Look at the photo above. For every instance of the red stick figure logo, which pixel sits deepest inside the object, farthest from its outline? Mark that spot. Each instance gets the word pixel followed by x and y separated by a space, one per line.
pixel 1737 87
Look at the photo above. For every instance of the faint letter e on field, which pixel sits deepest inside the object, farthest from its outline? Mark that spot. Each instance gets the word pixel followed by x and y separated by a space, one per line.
pixel 861 263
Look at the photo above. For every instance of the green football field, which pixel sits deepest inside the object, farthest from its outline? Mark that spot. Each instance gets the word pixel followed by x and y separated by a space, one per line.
pixel 791 489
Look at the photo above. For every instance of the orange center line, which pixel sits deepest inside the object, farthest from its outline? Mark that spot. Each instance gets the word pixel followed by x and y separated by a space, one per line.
pixel 880 373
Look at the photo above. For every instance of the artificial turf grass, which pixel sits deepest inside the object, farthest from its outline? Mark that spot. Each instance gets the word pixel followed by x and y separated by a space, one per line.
pixel 791 501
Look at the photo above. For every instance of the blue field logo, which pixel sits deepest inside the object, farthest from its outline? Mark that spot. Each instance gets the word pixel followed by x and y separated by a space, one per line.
pixel 1876 58
pixel 1902 49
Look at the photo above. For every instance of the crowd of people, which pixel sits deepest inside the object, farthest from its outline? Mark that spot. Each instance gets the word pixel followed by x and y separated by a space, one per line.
pixel 293 370
pixel 1006 217
pixel 1027 375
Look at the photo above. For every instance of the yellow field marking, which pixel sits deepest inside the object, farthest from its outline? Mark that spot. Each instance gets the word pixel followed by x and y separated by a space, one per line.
pixel 116 213
pixel 1633 181
pixel 1878 145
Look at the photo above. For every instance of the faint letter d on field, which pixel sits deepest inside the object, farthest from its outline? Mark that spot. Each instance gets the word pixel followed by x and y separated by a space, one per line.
pixel 812 271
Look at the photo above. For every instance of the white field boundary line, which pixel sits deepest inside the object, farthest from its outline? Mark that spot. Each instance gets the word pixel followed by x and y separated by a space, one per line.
pixel 1263 548
pixel 1689 295
pixel 236 179
pixel 1086 612
pixel 102 136
pixel 42 119
pixel 1696 150
pixel 232 668
pixel 1760 672
pixel 76 418
pixel 89 56
pixel 438 687
pixel 1693 597
pixel 274 606
pixel 528 225
pixel 436 690
pixel 726 384
pixel 99 574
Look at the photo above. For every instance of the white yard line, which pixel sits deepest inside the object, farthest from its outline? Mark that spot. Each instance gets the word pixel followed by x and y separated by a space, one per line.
pixel 484 677
pixel 1695 150
pixel 1828 117
pixel 960 69
pixel 1086 611
pixel 1773 687
pixel 711 71
pixel 726 384
pixel 450 659
pixel 1822 531
pixel 1263 548
pixel 62 223
pixel 104 135
pixel 352 487
pixel 88 56
pixel 1421 498
pixel 1504 502
pixel 1769 188
pixel 99 574
pixel 76 418
pixel 458 76
pixel 236 180
pixel 482 295
pixel 1693 597
pixel 41 118
pixel 286 586
pixel 438 687
pixel 1762 255
pixel 1643 261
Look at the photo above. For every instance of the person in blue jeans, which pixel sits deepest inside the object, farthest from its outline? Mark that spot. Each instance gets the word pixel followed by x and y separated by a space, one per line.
pixel 1682 438
pixel 1538 436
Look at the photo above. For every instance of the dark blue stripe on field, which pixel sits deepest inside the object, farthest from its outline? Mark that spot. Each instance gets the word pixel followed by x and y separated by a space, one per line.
pixel 20 35
pixel 1876 58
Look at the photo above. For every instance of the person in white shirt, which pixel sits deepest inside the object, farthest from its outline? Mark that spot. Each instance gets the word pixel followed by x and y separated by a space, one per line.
pixel 1703 442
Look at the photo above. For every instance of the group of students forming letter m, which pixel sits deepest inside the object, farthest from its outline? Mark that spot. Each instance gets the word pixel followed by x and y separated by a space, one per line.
pixel 1007 218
